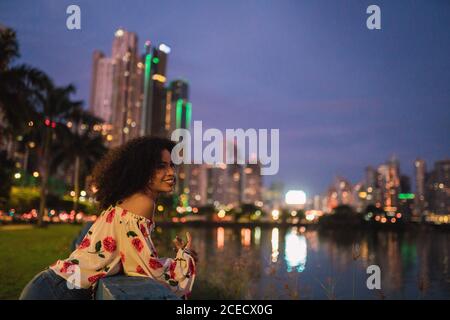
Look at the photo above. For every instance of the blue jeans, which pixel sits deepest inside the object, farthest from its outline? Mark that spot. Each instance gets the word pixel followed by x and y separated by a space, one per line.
pixel 47 285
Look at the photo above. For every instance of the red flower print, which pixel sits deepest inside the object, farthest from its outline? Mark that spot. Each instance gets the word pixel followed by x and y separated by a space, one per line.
pixel 110 216
pixel 124 212
pixel 94 278
pixel 172 267
pixel 143 230
pixel 66 266
pixel 155 264
pixel 109 244
pixel 191 266
pixel 85 243
pixel 140 270
pixel 137 243
pixel 122 257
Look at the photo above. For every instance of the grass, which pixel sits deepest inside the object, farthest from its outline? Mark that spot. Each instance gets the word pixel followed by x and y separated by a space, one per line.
pixel 26 250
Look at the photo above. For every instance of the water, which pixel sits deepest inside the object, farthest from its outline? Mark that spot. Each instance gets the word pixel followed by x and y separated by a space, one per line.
pixel 293 263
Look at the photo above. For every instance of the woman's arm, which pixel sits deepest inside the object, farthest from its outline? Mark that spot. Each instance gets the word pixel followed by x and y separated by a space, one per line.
pixel 139 260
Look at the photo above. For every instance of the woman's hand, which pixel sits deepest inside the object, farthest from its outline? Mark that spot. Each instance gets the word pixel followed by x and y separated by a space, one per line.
pixel 180 244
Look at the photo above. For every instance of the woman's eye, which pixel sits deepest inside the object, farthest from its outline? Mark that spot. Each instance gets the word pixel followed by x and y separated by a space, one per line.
pixel 164 165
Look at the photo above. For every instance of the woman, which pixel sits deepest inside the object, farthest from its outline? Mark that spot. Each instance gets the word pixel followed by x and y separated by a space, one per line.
pixel 128 181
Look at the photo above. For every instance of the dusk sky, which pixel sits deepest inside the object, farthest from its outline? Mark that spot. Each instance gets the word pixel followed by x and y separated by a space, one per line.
pixel 343 96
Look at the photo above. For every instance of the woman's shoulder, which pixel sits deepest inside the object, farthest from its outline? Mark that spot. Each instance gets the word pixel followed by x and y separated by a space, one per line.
pixel 128 216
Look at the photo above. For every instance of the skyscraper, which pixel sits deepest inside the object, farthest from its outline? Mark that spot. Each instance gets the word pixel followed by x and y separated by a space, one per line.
pixel 420 177
pixel 153 115
pixel 217 184
pixel 198 184
pixel 374 194
pixel 438 186
pixel 233 195
pixel 359 202
pixel 252 183
pixel 96 56
pixel 102 87
pixel 126 87
pixel 177 115
pixel 340 193
pixel 178 107
pixel 273 197
pixel 371 177
pixel 389 183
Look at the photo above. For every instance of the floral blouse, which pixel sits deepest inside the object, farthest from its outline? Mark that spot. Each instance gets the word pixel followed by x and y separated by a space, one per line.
pixel 120 240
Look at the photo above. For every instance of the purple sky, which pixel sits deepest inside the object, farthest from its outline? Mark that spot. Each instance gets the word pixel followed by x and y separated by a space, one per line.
pixel 342 96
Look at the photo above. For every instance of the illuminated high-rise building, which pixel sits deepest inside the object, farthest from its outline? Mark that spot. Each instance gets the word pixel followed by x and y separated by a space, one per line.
pixel 371 177
pixel 102 87
pixel 153 115
pixel 198 185
pixel 178 107
pixel 217 184
pixel 339 193
pixel 252 184
pixel 389 183
pixel 273 196
pixel 233 196
pixel 126 99
pixel 317 202
pixel 374 194
pixel 177 115
pixel 438 188
pixel 233 185
pixel 225 182
pixel 359 196
pixel 405 204
pixel 420 177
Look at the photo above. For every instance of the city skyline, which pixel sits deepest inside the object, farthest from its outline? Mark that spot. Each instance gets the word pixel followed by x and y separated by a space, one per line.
pixel 328 92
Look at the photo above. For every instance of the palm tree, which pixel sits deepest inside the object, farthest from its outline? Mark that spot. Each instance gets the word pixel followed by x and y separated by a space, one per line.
pixel 33 107
pixel 18 90
pixel 54 107
pixel 79 147
pixel 9 49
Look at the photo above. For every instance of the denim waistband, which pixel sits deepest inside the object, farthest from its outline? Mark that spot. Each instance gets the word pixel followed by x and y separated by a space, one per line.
pixel 57 280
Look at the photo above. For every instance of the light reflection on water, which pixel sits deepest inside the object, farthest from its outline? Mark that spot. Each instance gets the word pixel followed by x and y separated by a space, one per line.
pixel 293 263
pixel 295 251
pixel 220 237
pixel 274 241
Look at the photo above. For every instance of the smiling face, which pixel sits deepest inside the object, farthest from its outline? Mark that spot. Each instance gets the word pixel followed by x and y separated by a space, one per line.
pixel 164 178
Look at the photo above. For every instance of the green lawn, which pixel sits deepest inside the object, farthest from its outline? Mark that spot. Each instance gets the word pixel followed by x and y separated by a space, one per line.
pixel 26 250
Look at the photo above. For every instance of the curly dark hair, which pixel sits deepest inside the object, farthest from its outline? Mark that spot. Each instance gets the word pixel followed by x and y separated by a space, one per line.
pixel 127 169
